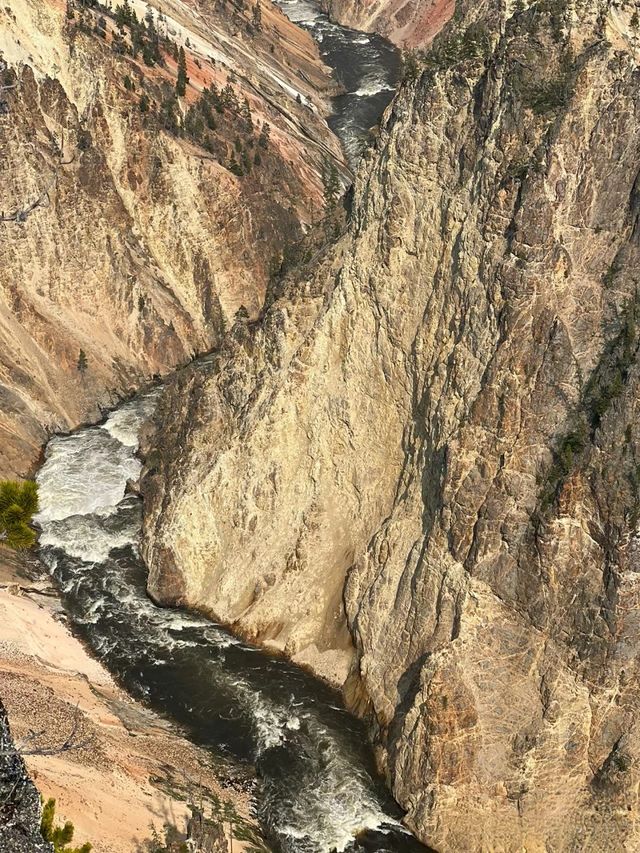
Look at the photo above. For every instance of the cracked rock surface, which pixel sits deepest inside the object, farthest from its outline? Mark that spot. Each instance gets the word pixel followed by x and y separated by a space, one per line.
pixel 418 474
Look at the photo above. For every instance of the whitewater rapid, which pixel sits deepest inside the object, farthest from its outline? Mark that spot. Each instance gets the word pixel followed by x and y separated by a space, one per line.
pixel 367 66
pixel 317 790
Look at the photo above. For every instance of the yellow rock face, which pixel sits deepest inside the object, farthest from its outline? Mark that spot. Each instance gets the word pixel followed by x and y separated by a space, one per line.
pixel 119 239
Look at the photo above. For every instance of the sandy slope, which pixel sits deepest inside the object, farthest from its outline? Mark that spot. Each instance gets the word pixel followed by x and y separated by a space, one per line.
pixel 105 787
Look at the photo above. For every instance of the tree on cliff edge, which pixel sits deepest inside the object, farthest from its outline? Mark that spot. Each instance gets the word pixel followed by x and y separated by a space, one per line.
pixel 18 503
pixel 181 83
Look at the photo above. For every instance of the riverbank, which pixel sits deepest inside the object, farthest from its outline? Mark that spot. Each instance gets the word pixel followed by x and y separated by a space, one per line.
pixel 131 770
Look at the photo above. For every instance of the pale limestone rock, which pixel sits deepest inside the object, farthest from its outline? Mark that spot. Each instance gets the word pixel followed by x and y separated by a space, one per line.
pixel 434 444
pixel 144 245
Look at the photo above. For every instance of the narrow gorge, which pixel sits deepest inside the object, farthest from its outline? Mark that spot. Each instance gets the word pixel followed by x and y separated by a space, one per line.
pixel 405 476
pixel 417 474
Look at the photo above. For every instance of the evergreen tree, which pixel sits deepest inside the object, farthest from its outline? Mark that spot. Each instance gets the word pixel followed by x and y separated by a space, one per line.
pixel 124 15
pixel 410 66
pixel 265 135
pixel 82 361
pixel 331 182
pixel 246 112
pixel 181 83
pixel 148 54
pixel 257 16
pixel 18 503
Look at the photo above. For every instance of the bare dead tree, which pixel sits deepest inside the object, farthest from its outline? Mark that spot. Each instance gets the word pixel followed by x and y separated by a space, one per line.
pixel 23 213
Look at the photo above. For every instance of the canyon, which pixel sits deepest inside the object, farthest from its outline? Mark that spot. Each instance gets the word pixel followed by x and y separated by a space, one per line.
pixel 416 475
pixel 409 465
pixel 122 239
pixel 405 22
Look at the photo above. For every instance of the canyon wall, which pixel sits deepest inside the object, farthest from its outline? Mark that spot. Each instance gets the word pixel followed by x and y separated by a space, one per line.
pixel 121 236
pixel 422 465
pixel 408 23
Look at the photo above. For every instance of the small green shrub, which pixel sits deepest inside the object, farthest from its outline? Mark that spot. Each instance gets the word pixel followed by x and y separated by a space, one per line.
pixel 18 504
pixel 59 836
pixel 547 95
pixel 82 363
pixel 609 277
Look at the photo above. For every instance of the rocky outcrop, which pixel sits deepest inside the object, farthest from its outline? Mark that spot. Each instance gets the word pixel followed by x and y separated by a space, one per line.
pixel 20 808
pixel 409 23
pixel 120 238
pixel 424 461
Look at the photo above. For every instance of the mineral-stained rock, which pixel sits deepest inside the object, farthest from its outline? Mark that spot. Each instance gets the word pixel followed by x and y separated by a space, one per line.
pixel 119 238
pixel 433 443
pixel 411 23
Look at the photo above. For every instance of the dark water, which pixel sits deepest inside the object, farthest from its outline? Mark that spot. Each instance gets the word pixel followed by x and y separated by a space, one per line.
pixel 368 67
pixel 317 789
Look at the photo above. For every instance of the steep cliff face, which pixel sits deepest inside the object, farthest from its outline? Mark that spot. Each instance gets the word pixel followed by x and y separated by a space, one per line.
pixel 409 23
pixel 129 228
pixel 424 461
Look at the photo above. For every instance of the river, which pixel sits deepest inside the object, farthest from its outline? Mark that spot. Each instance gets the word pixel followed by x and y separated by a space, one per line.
pixel 367 66
pixel 317 789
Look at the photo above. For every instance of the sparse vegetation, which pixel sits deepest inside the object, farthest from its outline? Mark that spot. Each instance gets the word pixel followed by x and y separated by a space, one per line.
pixel 181 82
pixel 59 836
pixel 18 504
pixel 331 184
pixel 446 52
pixel 219 121
pixel 606 384
pixel 543 96
pixel 82 361
pixel 211 827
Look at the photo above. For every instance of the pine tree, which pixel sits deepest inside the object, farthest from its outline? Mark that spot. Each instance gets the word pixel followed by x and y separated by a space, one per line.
pixel 331 182
pixel 265 135
pixel 18 503
pixel 124 15
pixel 82 361
pixel 181 83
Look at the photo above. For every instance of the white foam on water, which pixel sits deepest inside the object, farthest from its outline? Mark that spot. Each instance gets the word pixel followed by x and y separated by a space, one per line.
pixel 339 803
pixel 65 489
pixel 87 537
pixel 373 88
pixel 82 484
pixel 124 423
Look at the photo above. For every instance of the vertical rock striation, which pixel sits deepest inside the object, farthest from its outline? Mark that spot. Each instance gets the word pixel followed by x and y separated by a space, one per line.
pixel 119 237
pixel 423 462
